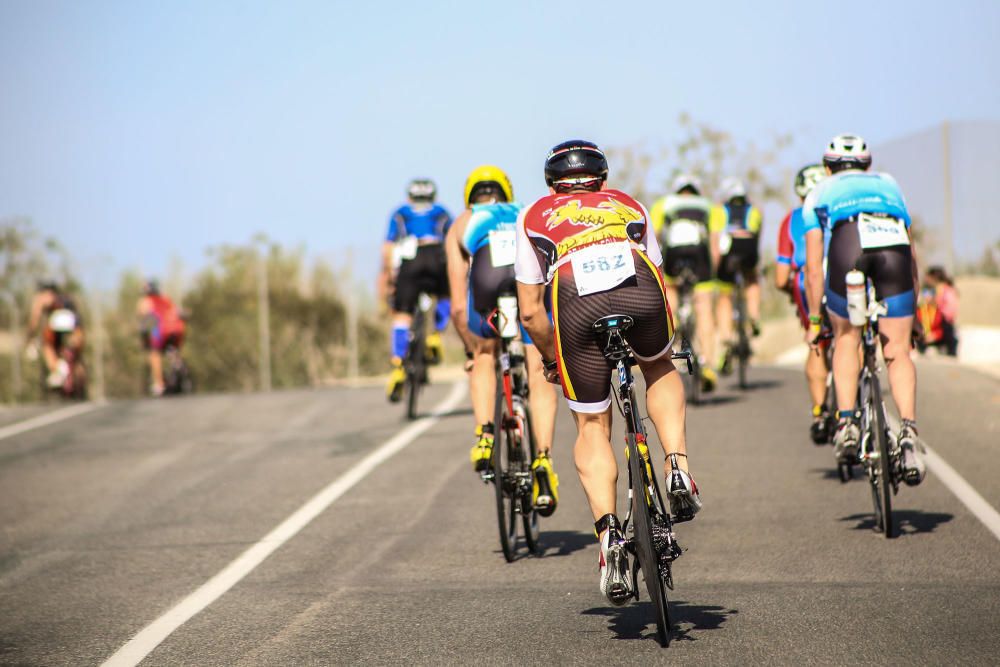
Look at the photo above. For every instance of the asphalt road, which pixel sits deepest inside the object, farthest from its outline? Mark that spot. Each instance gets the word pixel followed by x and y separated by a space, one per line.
pixel 111 517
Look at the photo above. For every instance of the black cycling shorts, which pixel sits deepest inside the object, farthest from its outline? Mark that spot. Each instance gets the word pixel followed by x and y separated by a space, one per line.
pixel 743 256
pixel 585 373
pixel 890 269
pixel 695 257
pixel 487 282
pixel 426 272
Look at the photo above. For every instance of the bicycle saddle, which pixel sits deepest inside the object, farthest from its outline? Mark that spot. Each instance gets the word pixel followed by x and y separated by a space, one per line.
pixel 613 322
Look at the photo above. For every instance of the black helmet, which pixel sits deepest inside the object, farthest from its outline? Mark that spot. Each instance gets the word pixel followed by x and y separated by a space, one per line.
pixel 575 158
pixel 151 287
pixel 421 189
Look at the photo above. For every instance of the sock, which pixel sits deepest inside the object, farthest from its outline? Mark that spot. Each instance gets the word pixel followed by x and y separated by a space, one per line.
pixel 441 314
pixel 400 340
pixel 845 414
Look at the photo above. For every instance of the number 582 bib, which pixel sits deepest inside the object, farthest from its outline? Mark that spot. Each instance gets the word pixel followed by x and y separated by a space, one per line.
pixel 601 267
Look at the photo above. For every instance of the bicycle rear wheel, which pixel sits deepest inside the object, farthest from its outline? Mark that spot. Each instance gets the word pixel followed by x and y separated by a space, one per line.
pixel 694 378
pixel 642 529
pixel 504 480
pixel 416 371
pixel 882 479
pixel 528 452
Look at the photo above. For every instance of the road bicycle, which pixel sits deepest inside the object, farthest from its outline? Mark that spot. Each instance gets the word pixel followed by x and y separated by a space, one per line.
pixel 687 328
pixel 514 445
pixel 648 527
pixel 879 455
pixel 415 361
pixel 740 347
pixel 177 378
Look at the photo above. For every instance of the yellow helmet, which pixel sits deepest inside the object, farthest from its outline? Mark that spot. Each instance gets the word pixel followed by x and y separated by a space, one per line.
pixel 485 175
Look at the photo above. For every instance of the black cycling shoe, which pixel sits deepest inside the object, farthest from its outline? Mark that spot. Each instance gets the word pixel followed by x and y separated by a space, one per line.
pixel 820 429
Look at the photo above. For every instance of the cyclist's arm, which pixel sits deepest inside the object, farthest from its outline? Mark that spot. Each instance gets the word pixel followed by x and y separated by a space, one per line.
pixel 531 303
pixel 458 279
pixel 385 275
pixel 783 267
pixel 814 271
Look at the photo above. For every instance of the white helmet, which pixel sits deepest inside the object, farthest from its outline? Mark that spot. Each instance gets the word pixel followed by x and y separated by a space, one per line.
pixel 732 188
pixel 686 181
pixel 847 151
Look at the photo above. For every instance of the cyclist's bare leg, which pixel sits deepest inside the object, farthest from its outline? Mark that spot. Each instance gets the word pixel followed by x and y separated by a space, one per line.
pixel 705 325
pixel 483 380
pixel 672 299
pixel 846 363
pixel 895 333
pixel 543 399
pixel 156 367
pixel 595 461
pixel 816 375
pixel 724 314
pixel 50 356
pixel 752 291
pixel 666 406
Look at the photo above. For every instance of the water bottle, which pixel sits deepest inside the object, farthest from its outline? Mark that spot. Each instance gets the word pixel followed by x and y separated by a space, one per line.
pixel 509 326
pixel 857 308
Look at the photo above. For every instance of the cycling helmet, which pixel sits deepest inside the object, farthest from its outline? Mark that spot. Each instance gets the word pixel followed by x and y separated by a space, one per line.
pixel 151 287
pixel 807 178
pixel 422 190
pixel 733 188
pixel 686 182
pixel 847 151
pixel 487 178
pixel 575 162
pixel 48 285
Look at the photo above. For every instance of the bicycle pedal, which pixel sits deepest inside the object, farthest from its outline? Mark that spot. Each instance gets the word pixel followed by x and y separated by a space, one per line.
pixel 486 477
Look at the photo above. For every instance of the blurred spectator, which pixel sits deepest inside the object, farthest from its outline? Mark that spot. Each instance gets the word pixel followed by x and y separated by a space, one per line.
pixel 939 311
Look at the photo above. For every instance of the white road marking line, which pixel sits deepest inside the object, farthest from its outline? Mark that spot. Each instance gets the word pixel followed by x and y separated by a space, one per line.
pixel 964 491
pixel 46 419
pixel 140 646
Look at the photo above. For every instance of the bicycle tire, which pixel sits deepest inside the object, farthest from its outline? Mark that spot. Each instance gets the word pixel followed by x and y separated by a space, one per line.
pixel 694 378
pixel 415 367
pixel 528 514
pixel 882 485
pixel 642 531
pixel 743 351
pixel 504 485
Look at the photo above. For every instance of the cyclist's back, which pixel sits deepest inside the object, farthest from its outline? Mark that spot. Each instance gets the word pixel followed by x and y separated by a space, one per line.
pixel 489 241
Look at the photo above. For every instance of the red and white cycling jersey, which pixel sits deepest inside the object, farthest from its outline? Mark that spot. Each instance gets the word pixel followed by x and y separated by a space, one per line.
pixel 591 234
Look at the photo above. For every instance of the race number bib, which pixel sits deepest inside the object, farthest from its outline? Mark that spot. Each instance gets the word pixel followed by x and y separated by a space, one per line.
pixel 725 243
pixel 502 249
pixel 876 232
pixel 602 267
pixel 683 232
pixel 406 249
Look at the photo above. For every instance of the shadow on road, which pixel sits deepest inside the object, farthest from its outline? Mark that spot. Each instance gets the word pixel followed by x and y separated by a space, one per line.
pixel 760 384
pixel 565 542
pixel 909 522
pixel 636 621
pixel 826 473
pixel 457 412
pixel 718 399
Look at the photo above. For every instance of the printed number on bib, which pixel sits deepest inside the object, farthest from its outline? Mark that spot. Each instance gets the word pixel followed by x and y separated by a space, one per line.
pixel 876 232
pixel 601 267
pixel 683 232
pixel 502 249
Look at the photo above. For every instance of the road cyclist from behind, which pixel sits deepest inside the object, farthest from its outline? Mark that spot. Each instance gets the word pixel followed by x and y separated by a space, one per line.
pixel 481 254
pixel 55 317
pixel 735 237
pixel 596 248
pixel 413 262
pixel 789 275
pixel 862 218
pixel 680 222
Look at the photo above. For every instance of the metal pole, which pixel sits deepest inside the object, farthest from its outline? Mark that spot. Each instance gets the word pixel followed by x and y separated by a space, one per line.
pixel 949 229
pixel 263 319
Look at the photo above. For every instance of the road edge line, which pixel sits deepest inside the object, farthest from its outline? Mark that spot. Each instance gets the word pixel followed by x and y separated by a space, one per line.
pixel 54 417
pixel 146 640
pixel 964 491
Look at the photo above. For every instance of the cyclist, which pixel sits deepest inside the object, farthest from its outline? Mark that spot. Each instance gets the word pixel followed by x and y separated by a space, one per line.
pixel 596 248
pixel 413 261
pixel 483 238
pixel 56 336
pixel 160 324
pixel 735 232
pixel 789 276
pixel 866 226
pixel 680 222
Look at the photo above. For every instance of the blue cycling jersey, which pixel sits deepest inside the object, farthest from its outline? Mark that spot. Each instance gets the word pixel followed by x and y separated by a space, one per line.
pixel 426 224
pixel 845 195
pixel 488 218
pixel 797 230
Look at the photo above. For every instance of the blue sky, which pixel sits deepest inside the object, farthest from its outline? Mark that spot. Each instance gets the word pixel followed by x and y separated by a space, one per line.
pixel 138 131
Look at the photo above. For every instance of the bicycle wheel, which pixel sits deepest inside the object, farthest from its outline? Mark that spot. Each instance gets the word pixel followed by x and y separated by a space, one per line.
pixel 504 479
pixel 694 378
pixel 642 530
pixel 743 342
pixel 882 479
pixel 528 451
pixel 416 370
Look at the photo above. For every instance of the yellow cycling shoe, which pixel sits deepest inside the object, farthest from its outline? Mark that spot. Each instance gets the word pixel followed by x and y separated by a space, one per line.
pixel 708 379
pixel 482 451
pixel 545 488
pixel 397 379
pixel 435 349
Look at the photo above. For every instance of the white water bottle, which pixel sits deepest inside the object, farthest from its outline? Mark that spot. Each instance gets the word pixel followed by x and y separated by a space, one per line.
pixel 857 308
